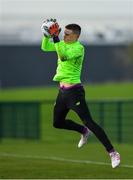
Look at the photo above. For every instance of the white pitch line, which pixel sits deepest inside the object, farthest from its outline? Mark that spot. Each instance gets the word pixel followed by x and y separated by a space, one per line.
pixel 61 159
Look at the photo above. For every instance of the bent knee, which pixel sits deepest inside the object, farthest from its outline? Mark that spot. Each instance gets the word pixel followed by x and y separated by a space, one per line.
pixel 56 125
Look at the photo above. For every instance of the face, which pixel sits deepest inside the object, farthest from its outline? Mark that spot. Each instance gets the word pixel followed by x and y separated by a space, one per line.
pixel 69 36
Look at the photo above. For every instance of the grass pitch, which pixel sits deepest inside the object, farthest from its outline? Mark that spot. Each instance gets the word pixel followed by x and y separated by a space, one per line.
pixel 57 155
pixel 59 159
pixel 93 91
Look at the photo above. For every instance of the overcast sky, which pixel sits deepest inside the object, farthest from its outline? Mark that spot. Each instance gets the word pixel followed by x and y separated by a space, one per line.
pixel 95 14
pixel 81 7
pixel 93 10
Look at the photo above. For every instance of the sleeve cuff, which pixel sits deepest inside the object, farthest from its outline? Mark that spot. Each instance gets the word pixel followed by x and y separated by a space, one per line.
pixel 56 39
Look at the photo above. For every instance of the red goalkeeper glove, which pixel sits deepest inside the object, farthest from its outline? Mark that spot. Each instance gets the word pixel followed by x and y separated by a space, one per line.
pixel 54 29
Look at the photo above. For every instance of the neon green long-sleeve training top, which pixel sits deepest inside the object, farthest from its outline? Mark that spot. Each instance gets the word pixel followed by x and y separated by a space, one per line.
pixel 70 59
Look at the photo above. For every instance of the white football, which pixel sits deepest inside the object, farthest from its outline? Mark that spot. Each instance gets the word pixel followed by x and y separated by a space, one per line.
pixel 45 27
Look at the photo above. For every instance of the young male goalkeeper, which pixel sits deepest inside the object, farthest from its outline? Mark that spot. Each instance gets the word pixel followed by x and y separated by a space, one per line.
pixel 71 94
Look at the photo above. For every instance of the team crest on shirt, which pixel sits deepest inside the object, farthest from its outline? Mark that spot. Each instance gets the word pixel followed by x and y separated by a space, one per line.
pixel 78 103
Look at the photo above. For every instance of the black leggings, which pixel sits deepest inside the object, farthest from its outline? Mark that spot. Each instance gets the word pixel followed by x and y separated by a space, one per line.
pixel 75 99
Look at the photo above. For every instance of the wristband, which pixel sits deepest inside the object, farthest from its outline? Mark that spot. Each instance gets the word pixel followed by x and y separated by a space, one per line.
pixel 56 39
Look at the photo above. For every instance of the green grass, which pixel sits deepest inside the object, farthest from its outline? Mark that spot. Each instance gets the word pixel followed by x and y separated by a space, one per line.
pixel 93 91
pixel 26 159
pixel 34 160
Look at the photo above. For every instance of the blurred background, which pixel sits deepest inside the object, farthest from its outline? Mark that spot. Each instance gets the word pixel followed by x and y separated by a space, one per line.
pixel 107 33
pixel 29 145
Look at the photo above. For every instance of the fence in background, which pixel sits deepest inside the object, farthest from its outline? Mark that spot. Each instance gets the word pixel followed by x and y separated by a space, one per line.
pixel 23 119
pixel 20 120
pixel 116 117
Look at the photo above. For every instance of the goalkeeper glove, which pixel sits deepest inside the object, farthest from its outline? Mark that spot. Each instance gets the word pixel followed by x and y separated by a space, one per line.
pixel 50 28
pixel 54 29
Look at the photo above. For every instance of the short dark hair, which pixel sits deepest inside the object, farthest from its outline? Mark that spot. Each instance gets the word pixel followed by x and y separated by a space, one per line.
pixel 74 27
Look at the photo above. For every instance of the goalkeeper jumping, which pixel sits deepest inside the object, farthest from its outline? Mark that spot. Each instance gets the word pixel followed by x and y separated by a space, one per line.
pixel 71 94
